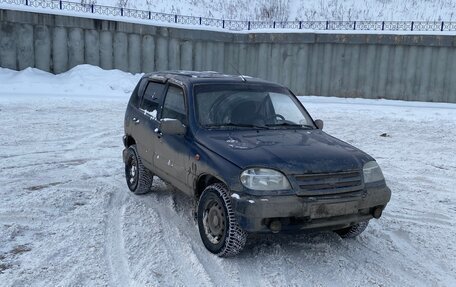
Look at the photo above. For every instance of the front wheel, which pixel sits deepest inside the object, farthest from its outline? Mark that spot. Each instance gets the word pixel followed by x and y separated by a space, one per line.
pixel 217 224
pixel 139 178
pixel 352 231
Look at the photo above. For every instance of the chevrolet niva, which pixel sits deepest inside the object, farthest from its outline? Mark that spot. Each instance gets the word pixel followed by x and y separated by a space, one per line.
pixel 249 155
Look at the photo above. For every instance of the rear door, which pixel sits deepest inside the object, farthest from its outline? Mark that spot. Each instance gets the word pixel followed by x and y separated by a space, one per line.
pixel 147 120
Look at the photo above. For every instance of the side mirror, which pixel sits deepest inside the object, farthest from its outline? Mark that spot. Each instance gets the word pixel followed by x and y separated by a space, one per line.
pixel 319 124
pixel 172 127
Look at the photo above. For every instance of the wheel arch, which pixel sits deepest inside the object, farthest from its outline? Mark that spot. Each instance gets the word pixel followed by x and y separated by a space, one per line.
pixel 203 181
pixel 128 141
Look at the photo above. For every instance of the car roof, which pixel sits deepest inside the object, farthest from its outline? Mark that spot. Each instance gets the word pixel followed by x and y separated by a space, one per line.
pixel 197 77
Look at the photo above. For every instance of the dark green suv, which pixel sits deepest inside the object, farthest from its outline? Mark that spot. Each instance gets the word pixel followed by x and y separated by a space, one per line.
pixel 250 156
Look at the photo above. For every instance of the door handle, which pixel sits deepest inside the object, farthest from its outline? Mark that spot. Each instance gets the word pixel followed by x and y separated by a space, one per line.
pixel 158 132
pixel 135 120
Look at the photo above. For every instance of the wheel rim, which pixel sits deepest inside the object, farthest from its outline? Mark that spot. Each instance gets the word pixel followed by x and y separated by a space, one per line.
pixel 131 171
pixel 214 221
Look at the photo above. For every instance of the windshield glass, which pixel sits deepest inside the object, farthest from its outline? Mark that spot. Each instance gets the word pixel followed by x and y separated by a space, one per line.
pixel 248 106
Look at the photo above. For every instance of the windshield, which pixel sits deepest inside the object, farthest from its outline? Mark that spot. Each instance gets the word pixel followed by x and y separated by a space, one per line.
pixel 248 106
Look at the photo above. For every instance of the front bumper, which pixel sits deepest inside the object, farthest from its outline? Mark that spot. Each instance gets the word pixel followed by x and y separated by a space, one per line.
pixel 255 213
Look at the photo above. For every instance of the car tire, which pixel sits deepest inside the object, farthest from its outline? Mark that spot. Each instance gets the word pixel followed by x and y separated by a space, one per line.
pixel 352 231
pixel 217 224
pixel 139 178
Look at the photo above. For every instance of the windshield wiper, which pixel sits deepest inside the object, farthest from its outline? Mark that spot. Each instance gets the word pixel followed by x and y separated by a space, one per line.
pixel 285 124
pixel 235 125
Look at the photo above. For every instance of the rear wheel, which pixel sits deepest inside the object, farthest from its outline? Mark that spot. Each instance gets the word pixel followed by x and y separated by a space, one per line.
pixel 139 178
pixel 217 224
pixel 352 231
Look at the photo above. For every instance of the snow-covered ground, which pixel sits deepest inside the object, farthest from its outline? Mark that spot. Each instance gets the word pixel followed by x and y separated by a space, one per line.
pixel 432 12
pixel 68 219
pixel 279 10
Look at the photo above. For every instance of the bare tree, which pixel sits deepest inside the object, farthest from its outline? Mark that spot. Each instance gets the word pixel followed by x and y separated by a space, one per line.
pixel 150 3
pixel 122 3
pixel 273 10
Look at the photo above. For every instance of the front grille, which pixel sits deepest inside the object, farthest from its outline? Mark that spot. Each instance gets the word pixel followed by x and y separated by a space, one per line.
pixel 322 184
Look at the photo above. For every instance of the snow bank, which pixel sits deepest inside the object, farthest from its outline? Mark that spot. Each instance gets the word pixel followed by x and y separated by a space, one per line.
pixel 82 80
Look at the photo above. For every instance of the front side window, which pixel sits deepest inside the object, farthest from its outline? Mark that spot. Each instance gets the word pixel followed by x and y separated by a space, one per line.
pixel 244 106
pixel 174 105
pixel 152 97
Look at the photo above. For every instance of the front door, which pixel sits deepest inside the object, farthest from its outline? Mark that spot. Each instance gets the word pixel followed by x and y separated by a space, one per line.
pixel 172 153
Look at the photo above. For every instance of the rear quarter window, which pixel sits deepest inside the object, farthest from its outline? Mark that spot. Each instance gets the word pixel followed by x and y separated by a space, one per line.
pixel 136 95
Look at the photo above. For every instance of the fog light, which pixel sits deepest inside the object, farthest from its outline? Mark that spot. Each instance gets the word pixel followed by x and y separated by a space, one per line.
pixel 275 226
pixel 377 212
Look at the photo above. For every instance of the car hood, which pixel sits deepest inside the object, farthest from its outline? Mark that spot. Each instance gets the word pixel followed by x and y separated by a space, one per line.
pixel 291 151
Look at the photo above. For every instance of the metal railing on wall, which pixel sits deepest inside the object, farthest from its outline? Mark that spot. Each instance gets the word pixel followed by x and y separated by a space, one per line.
pixel 237 25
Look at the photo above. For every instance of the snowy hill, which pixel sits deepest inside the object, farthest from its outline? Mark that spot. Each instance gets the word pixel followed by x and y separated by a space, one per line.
pixel 280 10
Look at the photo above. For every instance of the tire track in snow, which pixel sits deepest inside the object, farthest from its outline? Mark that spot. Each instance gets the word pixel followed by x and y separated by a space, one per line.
pixel 179 244
pixel 186 245
pixel 423 219
pixel 213 265
pixel 116 256
pixel 86 139
pixel 114 241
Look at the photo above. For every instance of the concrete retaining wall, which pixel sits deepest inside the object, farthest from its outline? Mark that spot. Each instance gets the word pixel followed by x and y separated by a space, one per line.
pixel 406 67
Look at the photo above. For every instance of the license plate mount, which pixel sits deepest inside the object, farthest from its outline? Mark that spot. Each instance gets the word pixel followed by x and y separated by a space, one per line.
pixel 323 210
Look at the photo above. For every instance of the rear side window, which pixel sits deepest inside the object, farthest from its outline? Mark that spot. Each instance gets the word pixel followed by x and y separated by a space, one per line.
pixel 134 99
pixel 152 97
pixel 174 106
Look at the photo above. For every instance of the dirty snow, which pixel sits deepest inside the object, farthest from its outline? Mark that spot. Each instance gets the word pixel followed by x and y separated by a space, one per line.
pixel 67 217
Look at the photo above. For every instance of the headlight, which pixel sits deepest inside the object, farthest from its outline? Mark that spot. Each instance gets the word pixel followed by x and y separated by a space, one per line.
pixel 372 172
pixel 264 179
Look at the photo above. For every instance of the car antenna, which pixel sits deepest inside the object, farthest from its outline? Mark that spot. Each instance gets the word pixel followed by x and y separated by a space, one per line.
pixel 240 75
